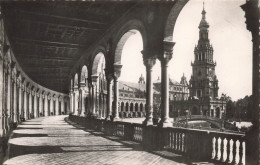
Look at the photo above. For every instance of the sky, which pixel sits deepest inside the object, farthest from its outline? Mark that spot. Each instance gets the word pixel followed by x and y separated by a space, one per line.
pixel 228 35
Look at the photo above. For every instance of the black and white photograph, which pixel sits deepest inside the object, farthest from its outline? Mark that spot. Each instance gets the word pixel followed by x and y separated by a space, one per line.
pixel 128 82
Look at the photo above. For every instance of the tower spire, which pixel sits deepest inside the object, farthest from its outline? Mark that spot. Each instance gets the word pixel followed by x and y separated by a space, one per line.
pixel 203 22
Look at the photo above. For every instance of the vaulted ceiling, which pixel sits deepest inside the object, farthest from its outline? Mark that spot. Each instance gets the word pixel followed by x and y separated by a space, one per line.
pixel 47 38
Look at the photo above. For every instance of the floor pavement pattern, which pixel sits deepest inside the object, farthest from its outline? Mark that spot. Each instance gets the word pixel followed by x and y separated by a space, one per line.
pixel 55 141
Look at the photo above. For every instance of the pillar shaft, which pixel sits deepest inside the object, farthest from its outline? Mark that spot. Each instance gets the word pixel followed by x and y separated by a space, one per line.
pixel 76 101
pixel 62 106
pixel 14 103
pixel 45 105
pixel 30 104
pixel 25 104
pixel 168 46
pixel 8 99
pixel 35 106
pixel 90 99
pixel 57 106
pixel 51 106
pixel 116 96
pixel 20 102
pixel 149 63
pixel 94 98
pixel 40 105
pixel 2 116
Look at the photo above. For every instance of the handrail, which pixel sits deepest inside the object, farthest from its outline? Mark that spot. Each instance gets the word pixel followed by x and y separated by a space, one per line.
pixel 207 145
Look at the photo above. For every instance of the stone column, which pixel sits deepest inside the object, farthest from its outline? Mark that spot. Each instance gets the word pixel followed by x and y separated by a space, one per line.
pixel 51 106
pixel 82 98
pixel 94 94
pixel 45 105
pixel 2 111
pixel 5 91
pixel 76 101
pixel 62 102
pixel 8 94
pixel 25 104
pixel 149 63
pixel 71 101
pixel 30 104
pixel 35 105
pixel 14 102
pixel 57 106
pixel 20 102
pixel 117 72
pixel 89 99
pixel 165 58
pixel 40 105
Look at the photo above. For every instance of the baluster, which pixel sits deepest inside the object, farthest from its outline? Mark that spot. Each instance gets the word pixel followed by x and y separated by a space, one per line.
pixel 240 152
pixel 174 141
pixel 216 149
pixel 170 139
pixel 228 150
pixel 181 145
pixel 213 148
pixel 177 141
pixel 180 142
pixel 234 152
pixel 184 143
pixel 222 149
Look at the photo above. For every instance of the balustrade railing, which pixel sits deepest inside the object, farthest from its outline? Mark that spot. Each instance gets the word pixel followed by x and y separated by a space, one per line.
pixel 227 148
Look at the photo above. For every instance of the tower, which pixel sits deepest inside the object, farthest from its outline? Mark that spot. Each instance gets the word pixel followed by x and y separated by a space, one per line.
pixel 203 82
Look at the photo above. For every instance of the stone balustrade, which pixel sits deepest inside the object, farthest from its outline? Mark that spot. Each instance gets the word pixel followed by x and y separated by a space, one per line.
pixel 202 145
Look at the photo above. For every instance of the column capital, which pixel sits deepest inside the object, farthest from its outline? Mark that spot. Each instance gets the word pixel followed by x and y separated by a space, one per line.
pixel 149 62
pixel 82 84
pixel 117 71
pixel 109 77
pixel 94 78
pixel 167 54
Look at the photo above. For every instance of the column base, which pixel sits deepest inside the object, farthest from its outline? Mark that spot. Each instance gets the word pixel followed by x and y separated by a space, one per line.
pixel 148 121
pixel 116 119
pixel 165 123
pixel 108 118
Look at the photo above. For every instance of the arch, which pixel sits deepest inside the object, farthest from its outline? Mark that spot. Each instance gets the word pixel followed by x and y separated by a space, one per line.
pixel 141 107
pixel 99 58
pixel 172 18
pixel 84 74
pixel 136 107
pixel 122 106
pixel 127 30
pixel 132 107
pixel 127 107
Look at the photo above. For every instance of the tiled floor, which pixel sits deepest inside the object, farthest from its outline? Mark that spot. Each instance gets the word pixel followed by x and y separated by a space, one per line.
pixel 52 140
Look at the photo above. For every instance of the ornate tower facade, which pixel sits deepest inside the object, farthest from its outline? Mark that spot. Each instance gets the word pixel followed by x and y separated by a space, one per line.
pixel 203 82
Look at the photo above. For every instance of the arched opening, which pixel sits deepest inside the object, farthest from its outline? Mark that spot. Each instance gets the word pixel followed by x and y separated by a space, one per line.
pixel 218 112
pixel 98 70
pixel 84 75
pixel 122 106
pixel 136 107
pixel 186 32
pixel 128 53
pixel 194 111
pixel 127 107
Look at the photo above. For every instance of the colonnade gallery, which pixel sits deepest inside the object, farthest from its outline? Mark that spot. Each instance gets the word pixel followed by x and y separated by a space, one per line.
pixel 65 57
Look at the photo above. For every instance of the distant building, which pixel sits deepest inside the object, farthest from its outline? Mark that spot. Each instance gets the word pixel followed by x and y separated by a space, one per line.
pixel 203 86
